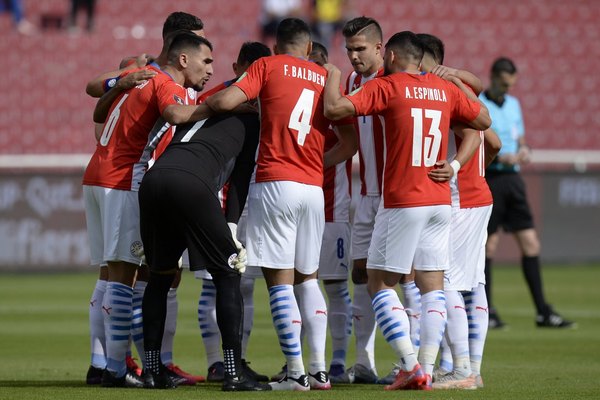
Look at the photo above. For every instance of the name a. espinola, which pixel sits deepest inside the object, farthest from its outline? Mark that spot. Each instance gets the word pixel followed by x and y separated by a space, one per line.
pixel 304 73
pixel 424 93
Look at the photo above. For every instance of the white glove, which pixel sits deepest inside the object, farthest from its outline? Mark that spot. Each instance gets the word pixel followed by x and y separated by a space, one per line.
pixel 241 261
pixel 139 252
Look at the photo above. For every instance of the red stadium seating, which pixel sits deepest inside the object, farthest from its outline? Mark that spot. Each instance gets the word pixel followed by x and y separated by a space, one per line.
pixel 44 108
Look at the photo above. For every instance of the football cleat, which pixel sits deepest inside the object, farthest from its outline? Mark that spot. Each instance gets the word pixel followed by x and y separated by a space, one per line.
pixel 190 379
pixel 94 375
pixel 551 319
pixel 300 384
pixel 337 374
pixel 162 380
pixel 358 373
pixel 132 366
pixel 243 383
pixel 390 377
pixel 319 381
pixel 252 373
pixel 129 380
pixel 216 372
pixel 455 380
pixel 280 375
pixel 415 380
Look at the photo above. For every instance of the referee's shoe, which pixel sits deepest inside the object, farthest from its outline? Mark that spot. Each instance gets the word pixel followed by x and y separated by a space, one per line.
pixel 551 319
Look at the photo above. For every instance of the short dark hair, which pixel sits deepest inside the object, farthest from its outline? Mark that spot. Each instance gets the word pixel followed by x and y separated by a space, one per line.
pixel 359 24
pixel 292 31
pixel 432 45
pixel 408 43
pixel 252 51
pixel 185 40
pixel 180 20
pixel 504 64
pixel 316 46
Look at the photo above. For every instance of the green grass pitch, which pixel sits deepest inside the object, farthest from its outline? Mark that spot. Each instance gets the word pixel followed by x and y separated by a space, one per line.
pixel 44 344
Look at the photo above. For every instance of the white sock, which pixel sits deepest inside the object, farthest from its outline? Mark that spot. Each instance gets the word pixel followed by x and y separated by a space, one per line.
pixel 339 319
pixel 477 313
pixel 363 320
pixel 137 321
pixel 445 355
pixel 166 349
pixel 433 323
pixel 412 302
pixel 96 318
pixel 207 320
pixel 247 289
pixel 313 310
pixel 117 310
pixel 287 323
pixel 457 332
pixel 393 323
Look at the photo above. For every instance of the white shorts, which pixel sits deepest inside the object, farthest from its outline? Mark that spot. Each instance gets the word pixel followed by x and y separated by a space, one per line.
pixel 362 226
pixel 113 224
pixel 404 237
pixel 285 225
pixel 468 234
pixel 335 257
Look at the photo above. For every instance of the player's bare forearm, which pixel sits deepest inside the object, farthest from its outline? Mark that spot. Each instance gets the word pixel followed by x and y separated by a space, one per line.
pixel 336 106
pixel 95 87
pixel 471 140
pixel 180 114
pixel 483 120
pixel 104 103
pixel 492 145
pixel 344 149
pixel 226 99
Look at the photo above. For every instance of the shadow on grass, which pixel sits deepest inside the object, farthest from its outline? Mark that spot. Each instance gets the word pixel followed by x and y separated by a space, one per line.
pixel 40 384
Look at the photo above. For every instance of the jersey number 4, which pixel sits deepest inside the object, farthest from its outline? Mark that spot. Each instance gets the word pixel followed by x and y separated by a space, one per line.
pixel 301 115
pixel 111 122
pixel 426 149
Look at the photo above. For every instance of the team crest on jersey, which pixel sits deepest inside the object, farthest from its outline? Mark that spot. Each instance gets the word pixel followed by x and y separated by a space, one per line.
pixel 355 91
pixel 231 259
pixel 178 99
pixel 136 249
pixel 191 93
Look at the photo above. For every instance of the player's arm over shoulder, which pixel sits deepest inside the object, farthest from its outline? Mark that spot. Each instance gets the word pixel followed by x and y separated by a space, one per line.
pixel 335 105
pixel 468 101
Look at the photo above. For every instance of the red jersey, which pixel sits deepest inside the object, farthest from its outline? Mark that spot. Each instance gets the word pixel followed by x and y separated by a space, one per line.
pixel 337 185
pixel 370 139
pixel 470 188
pixel 416 110
pixel 292 125
pixel 214 90
pixel 131 132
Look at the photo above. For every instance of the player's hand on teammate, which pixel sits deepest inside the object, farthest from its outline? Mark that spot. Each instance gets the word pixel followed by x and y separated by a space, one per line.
pixel 135 78
pixel 331 69
pixel 444 72
pixel 246 108
pixel 441 172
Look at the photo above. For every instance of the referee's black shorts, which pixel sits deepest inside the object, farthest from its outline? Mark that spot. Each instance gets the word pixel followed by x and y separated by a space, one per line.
pixel 511 209
pixel 178 211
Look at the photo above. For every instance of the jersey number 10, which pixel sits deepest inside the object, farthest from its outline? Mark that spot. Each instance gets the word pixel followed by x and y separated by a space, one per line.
pixel 301 115
pixel 426 149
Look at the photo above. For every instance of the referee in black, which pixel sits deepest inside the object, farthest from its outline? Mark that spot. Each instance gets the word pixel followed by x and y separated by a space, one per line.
pixel 179 209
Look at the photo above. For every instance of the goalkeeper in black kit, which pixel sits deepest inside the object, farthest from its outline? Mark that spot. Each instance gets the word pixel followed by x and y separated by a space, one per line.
pixel 179 209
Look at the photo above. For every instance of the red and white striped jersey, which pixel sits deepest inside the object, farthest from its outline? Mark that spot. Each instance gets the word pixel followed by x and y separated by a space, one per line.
pixel 337 186
pixel 469 189
pixel 371 143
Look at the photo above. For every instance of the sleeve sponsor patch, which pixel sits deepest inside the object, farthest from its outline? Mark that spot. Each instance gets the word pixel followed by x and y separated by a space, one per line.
pixel 178 99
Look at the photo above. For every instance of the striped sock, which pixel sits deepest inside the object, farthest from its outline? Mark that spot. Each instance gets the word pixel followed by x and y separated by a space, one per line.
pixel 339 319
pixel 433 324
pixel 287 323
pixel 457 332
pixel 477 314
pixel 207 320
pixel 412 301
pixel 117 322
pixel 313 311
pixel 166 350
pixel 137 321
pixel 393 323
pixel 96 318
